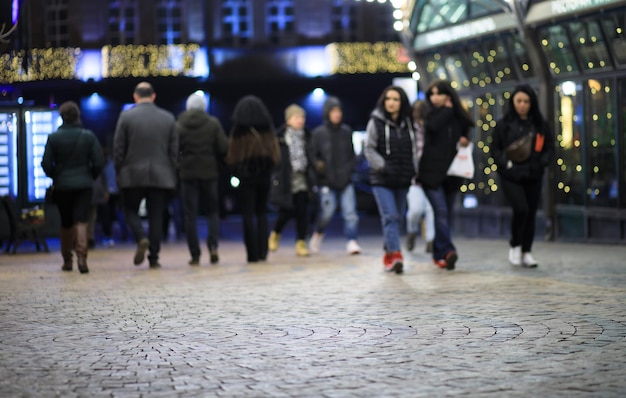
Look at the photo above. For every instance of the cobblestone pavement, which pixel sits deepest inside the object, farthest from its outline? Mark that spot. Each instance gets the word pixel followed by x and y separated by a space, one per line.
pixel 331 325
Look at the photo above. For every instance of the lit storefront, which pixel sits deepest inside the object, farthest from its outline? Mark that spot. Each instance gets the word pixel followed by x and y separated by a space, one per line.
pixel 574 54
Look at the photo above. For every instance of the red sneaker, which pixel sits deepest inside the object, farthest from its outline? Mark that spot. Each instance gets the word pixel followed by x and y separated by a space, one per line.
pixel 393 262
pixel 440 263
pixel 388 262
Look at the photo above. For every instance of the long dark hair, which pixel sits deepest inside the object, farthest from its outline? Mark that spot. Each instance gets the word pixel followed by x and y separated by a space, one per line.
pixel 445 87
pixel 406 110
pixel 534 114
pixel 252 134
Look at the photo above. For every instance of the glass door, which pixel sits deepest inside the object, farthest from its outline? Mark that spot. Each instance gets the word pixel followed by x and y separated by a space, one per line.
pixel 8 152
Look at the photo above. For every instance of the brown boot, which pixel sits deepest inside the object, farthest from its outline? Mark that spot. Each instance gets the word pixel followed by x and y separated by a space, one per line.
pixel 80 230
pixel 67 244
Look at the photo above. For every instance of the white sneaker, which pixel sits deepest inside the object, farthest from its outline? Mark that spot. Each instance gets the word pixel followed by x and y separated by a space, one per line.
pixel 352 247
pixel 515 255
pixel 316 242
pixel 528 260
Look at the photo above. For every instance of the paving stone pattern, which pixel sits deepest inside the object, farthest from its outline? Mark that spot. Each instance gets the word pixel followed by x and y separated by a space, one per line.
pixel 331 325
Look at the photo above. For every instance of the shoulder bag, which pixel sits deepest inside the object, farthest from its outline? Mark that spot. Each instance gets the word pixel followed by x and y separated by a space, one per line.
pixel 519 150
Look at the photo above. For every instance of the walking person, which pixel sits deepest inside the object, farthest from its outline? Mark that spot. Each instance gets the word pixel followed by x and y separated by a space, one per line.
pixel 446 125
pixel 73 159
pixel 253 153
pixel 291 185
pixel 419 211
pixel 391 150
pixel 202 146
pixel 333 157
pixel 111 210
pixel 145 151
pixel 99 197
pixel 521 178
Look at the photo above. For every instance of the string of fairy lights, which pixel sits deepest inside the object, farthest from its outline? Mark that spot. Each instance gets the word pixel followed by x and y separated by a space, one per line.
pixel 178 60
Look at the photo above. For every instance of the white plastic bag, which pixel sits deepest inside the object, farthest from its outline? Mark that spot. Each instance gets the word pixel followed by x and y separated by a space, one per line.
pixel 463 163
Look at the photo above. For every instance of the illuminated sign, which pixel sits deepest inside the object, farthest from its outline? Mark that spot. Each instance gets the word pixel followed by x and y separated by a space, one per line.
pixel 464 31
pixel 568 6
pixel 556 8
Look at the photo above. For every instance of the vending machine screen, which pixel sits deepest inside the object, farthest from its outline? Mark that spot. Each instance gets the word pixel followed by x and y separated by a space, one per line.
pixel 39 124
pixel 8 153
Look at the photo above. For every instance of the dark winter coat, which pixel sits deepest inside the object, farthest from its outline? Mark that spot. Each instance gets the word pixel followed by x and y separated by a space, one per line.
pixel 507 131
pixel 280 189
pixel 391 151
pixel 72 164
pixel 202 145
pixel 442 130
pixel 145 148
pixel 332 153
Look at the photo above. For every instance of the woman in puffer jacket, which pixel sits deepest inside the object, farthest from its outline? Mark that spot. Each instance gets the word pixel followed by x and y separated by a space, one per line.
pixel 391 150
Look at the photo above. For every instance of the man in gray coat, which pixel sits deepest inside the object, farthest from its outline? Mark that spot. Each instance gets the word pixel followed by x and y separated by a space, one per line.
pixel 145 153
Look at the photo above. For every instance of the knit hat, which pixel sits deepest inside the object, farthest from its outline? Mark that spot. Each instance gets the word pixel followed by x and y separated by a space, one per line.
pixel 292 110
pixel 196 101
pixel 251 111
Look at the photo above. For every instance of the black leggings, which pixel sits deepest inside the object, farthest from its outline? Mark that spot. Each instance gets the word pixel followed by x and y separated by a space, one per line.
pixel 299 211
pixel 524 198
pixel 74 205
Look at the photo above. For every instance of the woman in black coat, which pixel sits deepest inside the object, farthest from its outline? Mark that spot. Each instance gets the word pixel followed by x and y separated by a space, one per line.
pixel 253 153
pixel 447 125
pixel 521 179
pixel 73 158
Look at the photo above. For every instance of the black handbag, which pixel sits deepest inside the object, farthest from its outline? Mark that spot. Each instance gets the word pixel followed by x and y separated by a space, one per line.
pixel 519 150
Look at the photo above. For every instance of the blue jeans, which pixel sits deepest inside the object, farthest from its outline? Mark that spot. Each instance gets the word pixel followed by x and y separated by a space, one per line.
pixel 193 191
pixel 391 206
pixel 328 205
pixel 418 207
pixel 442 201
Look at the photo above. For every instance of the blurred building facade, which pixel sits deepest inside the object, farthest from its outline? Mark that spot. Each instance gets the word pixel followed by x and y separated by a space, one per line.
pixel 574 54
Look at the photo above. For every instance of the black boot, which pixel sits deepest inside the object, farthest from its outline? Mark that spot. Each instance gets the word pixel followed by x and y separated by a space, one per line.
pixel 67 244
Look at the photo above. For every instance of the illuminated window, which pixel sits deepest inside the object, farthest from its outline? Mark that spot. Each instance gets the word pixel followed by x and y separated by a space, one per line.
pixel 601 143
pixel 615 29
pixel 122 22
pixel 343 20
pixel 169 21
pixel 279 20
pixel 558 49
pixel 437 14
pixel 56 23
pixel 570 178
pixel 237 24
pixel 589 41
